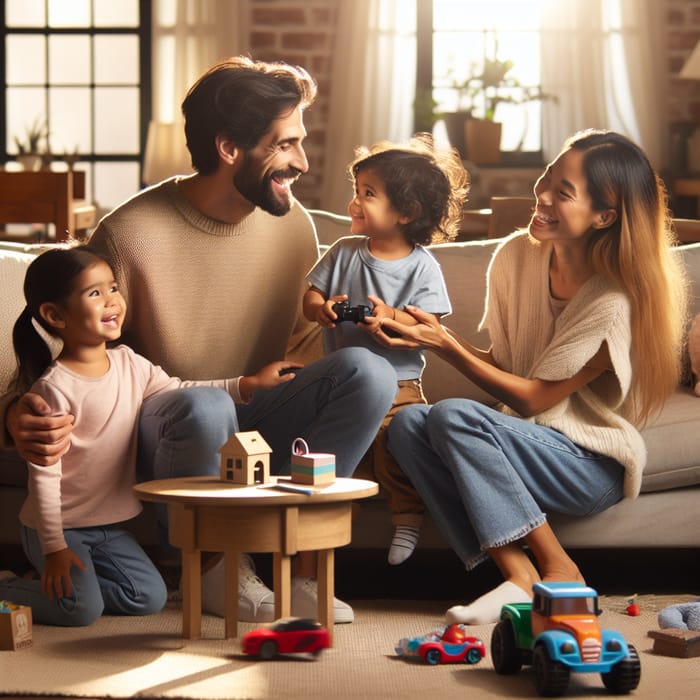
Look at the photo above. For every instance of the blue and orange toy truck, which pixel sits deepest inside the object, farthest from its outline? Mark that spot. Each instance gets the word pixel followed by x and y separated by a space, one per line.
pixel 559 633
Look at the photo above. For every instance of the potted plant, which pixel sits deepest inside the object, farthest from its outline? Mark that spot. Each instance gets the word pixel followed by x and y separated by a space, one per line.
pixel 34 143
pixel 479 95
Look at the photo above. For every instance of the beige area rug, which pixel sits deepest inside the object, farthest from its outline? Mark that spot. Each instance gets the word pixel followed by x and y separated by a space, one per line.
pixel 146 657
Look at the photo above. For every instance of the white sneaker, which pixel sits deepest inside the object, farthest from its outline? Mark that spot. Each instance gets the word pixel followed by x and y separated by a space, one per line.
pixel 256 602
pixel 305 602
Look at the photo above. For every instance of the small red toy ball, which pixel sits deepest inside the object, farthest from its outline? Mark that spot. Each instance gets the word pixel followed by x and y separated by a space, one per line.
pixel 633 610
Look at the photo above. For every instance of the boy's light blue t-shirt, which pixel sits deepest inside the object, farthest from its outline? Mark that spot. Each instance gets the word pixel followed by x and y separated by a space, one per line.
pixel 349 268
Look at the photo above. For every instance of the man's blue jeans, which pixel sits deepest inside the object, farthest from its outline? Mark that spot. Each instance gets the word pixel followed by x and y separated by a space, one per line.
pixel 336 404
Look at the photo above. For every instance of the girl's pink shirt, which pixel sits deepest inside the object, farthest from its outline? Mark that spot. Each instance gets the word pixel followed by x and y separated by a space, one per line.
pixel 92 484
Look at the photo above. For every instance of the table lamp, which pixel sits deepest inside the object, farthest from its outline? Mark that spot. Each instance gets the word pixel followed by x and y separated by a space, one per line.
pixel 691 71
pixel 166 154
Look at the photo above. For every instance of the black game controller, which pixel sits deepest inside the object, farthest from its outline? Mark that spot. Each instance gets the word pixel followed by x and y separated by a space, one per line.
pixel 345 312
pixel 357 314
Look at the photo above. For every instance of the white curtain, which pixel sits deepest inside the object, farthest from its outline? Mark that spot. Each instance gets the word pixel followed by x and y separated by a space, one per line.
pixel 605 61
pixel 189 36
pixel 372 87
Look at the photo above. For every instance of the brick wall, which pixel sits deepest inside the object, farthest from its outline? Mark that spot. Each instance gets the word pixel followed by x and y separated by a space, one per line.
pixel 683 18
pixel 302 32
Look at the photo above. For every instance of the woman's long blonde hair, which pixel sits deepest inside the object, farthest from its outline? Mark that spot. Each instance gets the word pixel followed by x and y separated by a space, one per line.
pixel 636 252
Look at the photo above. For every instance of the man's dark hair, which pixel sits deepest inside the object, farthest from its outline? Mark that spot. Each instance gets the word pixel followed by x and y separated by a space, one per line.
pixel 239 98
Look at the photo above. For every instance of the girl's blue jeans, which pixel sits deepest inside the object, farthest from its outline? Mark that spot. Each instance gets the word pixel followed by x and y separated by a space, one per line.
pixel 488 479
pixel 120 579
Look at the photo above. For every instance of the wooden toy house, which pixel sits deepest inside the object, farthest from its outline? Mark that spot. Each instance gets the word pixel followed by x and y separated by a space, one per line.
pixel 245 459
pixel 317 468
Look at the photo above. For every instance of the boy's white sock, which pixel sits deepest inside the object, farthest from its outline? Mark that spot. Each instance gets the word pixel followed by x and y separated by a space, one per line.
pixel 403 543
pixel 487 608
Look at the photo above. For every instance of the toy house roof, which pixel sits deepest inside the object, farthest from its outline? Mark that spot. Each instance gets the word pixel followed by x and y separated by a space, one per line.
pixel 250 442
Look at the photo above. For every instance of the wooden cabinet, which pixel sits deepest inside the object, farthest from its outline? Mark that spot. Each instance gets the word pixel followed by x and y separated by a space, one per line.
pixel 46 197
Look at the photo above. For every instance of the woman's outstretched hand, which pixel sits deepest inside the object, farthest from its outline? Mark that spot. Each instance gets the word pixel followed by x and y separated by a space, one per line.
pixel 427 332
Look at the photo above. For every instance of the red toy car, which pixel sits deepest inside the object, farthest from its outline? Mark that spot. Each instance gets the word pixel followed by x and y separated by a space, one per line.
pixel 290 635
pixel 450 646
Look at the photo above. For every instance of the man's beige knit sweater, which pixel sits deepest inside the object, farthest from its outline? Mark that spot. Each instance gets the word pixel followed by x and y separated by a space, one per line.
pixel 208 299
pixel 530 340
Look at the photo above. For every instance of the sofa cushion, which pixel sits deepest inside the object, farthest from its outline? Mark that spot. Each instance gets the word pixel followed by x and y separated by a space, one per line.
pixel 13 266
pixel 673 444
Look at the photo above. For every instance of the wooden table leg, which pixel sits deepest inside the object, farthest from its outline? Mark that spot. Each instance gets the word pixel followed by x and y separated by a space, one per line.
pixel 282 584
pixel 191 594
pixel 231 563
pixel 326 586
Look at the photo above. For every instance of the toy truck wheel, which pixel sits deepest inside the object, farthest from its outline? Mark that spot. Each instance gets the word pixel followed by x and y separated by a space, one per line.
pixel 432 656
pixel 473 656
pixel 551 677
pixel 624 676
pixel 268 650
pixel 504 653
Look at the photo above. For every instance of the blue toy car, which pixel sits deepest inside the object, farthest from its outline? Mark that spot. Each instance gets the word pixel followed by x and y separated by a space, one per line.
pixel 448 646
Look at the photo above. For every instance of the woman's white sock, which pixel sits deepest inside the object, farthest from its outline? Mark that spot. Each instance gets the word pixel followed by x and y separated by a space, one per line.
pixel 403 543
pixel 487 608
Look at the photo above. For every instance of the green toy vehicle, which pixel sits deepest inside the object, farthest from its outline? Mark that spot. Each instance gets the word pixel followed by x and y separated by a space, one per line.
pixel 558 633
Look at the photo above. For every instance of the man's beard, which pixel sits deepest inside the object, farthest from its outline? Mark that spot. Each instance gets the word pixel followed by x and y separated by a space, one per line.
pixel 262 193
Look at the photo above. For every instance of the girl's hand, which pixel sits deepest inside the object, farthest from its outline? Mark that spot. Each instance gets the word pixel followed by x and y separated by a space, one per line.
pixel 55 579
pixel 269 376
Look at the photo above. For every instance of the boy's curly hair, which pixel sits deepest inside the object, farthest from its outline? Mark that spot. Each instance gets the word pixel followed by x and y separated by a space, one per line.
pixel 427 185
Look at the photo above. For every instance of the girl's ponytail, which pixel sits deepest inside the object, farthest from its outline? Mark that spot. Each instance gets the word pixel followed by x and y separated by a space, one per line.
pixel 33 354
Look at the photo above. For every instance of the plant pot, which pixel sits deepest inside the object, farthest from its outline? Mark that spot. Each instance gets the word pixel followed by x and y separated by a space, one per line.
pixel 483 141
pixel 454 126
pixel 29 161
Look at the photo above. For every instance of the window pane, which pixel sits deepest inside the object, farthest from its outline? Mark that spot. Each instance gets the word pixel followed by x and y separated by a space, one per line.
pixel 24 13
pixel 69 59
pixel 450 15
pixel 69 13
pixel 469 33
pixel 117 120
pixel 109 13
pixel 126 69
pixel 24 107
pixel 115 182
pixel 70 119
pixel 26 59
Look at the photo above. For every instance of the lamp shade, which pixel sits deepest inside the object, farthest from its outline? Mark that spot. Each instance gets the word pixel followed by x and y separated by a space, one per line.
pixel 691 69
pixel 166 153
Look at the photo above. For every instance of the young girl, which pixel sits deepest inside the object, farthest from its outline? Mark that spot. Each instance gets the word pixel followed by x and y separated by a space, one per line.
pixel 88 564
pixel 586 312
pixel 405 197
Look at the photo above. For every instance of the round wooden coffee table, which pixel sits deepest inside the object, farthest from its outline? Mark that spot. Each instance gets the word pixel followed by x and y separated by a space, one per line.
pixel 206 514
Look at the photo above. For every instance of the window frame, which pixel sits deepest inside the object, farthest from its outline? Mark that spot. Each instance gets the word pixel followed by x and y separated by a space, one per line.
pixel 144 33
pixel 424 88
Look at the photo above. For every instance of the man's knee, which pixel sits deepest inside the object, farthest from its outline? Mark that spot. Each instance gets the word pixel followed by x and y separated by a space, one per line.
pixel 194 411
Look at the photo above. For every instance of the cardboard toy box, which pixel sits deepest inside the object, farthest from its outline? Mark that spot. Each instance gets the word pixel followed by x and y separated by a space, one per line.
pixel 313 468
pixel 15 626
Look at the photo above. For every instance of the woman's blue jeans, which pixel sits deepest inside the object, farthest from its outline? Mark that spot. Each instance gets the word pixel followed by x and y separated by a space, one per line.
pixel 489 479
pixel 120 579
pixel 336 404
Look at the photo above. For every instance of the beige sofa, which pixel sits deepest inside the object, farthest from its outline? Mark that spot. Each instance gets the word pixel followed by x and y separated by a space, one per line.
pixel 666 514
